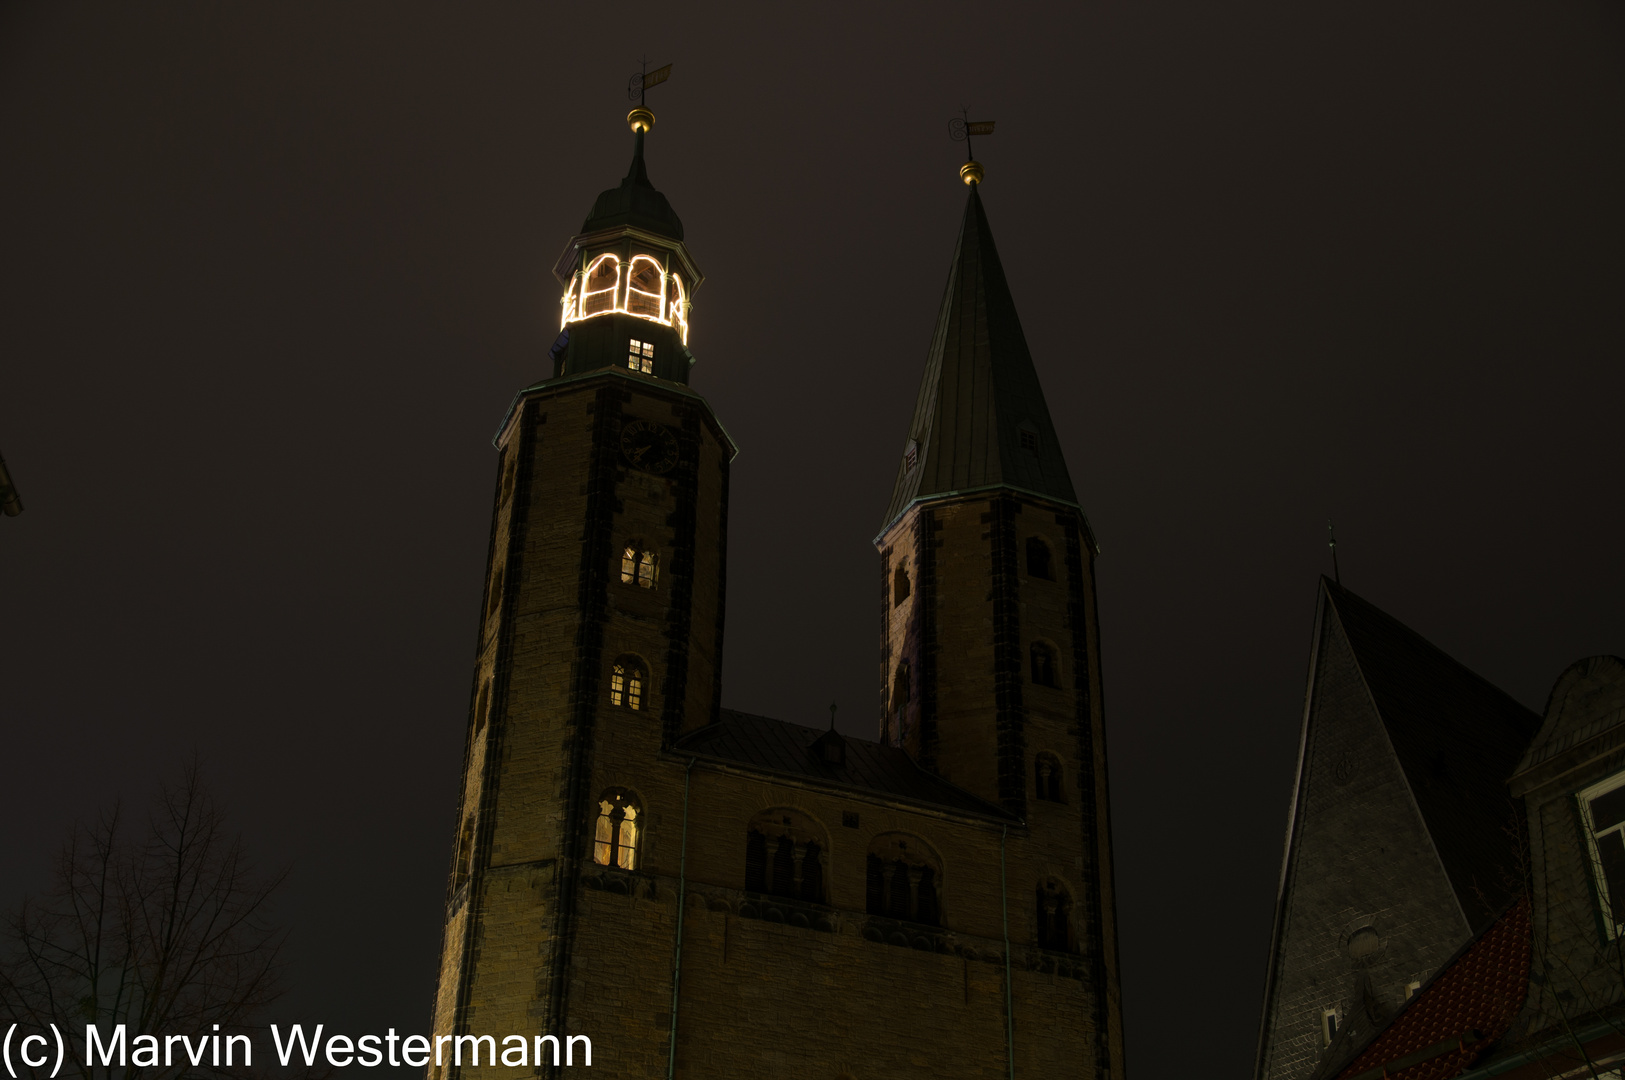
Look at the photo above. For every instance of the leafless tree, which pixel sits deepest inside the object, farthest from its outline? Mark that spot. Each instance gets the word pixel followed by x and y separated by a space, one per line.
pixel 165 932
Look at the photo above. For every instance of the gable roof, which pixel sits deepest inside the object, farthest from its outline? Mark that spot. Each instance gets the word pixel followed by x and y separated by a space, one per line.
pixel 980 392
pixel 1458 739
pixel 774 746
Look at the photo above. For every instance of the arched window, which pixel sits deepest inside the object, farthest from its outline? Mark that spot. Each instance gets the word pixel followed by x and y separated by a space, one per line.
pixel 603 280
pixel 482 703
pixel 569 302
pixel 615 841
pixel 784 855
pixel 1047 778
pixel 904 879
pixel 1054 916
pixel 900 692
pixel 1043 670
pixel 644 291
pixel 899 585
pixel 496 593
pixel 626 682
pixel 1038 560
pixel 679 307
pixel 639 565
pixel 465 849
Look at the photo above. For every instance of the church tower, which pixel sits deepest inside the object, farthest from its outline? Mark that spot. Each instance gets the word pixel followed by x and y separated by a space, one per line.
pixel 707 892
pixel 600 637
pixel 990 658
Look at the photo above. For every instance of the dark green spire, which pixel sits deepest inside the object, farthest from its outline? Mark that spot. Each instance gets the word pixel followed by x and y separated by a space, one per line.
pixel 635 203
pixel 981 420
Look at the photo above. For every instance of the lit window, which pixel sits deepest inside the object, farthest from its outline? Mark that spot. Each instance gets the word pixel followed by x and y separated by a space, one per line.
pixel 639 566
pixel 1047 777
pixel 679 307
pixel 1054 916
pixel 616 840
pixel 899 586
pixel 629 566
pixel 569 302
pixel 1328 1026
pixel 603 279
pixel 1043 665
pixel 1602 811
pixel 626 681
pixel 648 569
pixel 643 289
pixel 1038 561
pixel 640 356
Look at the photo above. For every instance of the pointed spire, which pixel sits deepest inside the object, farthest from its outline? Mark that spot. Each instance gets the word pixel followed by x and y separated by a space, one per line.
pixel 981 420
pixel 635 202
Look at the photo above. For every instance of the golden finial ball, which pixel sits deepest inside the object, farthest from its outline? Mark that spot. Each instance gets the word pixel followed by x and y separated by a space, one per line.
pixel 971 172
pixel 640 120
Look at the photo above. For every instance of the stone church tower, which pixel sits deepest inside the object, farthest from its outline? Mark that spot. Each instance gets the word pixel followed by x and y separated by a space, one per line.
pixel 702 891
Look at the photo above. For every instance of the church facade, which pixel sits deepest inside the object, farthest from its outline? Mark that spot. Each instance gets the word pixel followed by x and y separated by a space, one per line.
pixel 707 892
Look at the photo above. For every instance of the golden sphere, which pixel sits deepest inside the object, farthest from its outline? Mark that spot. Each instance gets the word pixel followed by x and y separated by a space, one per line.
pixel 640 119
pixel 971 172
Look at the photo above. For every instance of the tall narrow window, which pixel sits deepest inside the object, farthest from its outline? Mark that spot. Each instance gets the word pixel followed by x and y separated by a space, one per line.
pixel 615 842
pixel 643 291
pixel 629 565
pixel 900 689
pixel 1043 670
pixel 482 703
pixel 679 307
pixel 640 356
pixel 1602 810
pixel 603 281
pixel 756 862
pixel 496 593
pixel 899 585
pixel 904 880
pixel 465 849
pixel 1054 916
pixel 1328 1026
pixel 648 569
pixel 626 681
pixel 1038 562
pixel 1047 777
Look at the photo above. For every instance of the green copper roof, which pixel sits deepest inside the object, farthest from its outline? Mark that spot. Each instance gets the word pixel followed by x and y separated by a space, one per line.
pixel 981 420
pixel 635 202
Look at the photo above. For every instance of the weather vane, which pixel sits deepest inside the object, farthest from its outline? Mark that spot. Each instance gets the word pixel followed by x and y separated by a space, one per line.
pixel 642 79
pixel 960 129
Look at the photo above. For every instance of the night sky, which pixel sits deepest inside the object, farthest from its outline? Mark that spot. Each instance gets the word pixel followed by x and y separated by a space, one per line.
pixel 271 273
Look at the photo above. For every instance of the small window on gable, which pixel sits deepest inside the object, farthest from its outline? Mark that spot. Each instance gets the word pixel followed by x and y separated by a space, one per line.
pixel 1054 916
pixel 911 456
pixel 615 840
pixel 603 281
pixel 899 585
pixel 1411 988
pixel 1029 439
pixel 640 356
pixel 1043 665
pixel 1328 1026
pixel 1038 560
pixel 643 292
pixel 1047 778
pixel 627 679
pixel 1602 811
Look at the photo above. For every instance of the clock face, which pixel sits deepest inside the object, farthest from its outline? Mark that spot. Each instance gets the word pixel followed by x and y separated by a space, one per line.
pixel 648 446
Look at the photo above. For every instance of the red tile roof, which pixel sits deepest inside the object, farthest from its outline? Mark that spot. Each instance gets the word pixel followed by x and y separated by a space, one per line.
pixel 1461 1012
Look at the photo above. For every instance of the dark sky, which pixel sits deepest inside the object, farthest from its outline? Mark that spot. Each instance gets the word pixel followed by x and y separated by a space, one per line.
pixel 270 274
